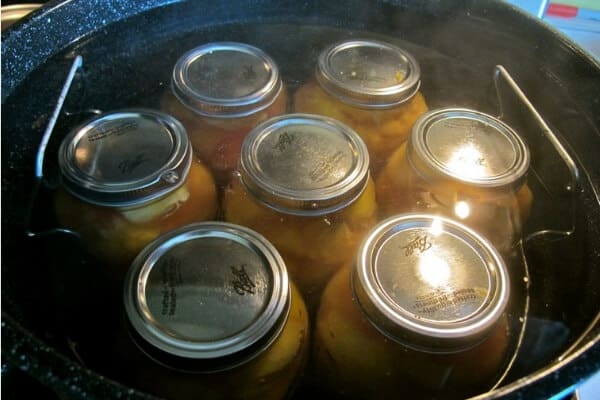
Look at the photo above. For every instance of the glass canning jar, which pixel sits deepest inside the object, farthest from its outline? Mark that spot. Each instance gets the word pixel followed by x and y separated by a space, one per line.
pixel 127 177
pixel 210 313
pixel 371 86
pixel 220 91
pixel 421 314
pixel 304 183
pixel 466 165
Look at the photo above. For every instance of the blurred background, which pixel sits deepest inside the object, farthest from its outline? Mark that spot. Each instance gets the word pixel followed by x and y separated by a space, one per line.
pixel 578 19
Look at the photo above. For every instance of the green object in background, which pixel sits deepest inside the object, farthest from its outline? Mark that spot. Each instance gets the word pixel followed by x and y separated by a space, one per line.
pixel 589 4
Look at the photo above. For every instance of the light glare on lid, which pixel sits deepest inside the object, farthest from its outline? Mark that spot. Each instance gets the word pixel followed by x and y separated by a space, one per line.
pixel 430 283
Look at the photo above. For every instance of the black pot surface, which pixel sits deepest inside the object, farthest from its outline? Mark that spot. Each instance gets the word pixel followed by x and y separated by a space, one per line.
pixel 54 306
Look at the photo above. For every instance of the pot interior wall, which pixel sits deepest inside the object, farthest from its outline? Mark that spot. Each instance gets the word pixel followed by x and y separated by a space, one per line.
pixel 52 288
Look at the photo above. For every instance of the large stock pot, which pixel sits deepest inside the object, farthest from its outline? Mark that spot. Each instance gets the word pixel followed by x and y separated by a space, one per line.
pixel 485 55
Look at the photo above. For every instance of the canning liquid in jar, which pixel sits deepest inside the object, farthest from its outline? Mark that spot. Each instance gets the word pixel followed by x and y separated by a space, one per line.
pixel 421 314
pixel 129 176
pixel 220 91
pixel 304 183
pixel 211 314
pixel 466 165
pixel 371 86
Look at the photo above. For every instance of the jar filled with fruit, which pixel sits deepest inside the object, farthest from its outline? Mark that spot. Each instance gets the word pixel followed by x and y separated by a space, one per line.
pixel 421 314
pixel 129 176
pixel 371 86
pixel 210 313
pixel 220 91
pixel 304 183
pixel 463 164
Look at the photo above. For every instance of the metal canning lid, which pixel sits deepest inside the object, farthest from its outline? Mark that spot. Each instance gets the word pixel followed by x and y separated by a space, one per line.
pixel 207 296
pixel 468 146
pixel 368 73
pixel 226 79
pixel 304 164
pixel 125 158
pixel 430 283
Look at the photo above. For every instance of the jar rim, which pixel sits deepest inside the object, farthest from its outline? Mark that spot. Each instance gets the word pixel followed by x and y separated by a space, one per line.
pixel 226 80
pixel 430 283
pixel 207 296
pixel 368 73
pixel 468 146
pixel 304 164
pixel 125 158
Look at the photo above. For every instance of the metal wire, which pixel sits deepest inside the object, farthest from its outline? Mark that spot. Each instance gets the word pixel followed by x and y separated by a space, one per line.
pixel 41 154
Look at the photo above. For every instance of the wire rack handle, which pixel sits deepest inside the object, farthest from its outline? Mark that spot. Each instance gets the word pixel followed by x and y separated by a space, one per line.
pixel 41 154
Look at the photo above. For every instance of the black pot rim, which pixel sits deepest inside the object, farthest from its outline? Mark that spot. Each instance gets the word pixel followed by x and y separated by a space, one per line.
pixel 62 371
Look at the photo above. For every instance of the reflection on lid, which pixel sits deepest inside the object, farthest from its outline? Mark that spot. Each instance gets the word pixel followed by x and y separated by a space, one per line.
pixel 467 146
pixel 430 282
pixel 213 292
pixel 304 164
pixel 125 157
pixel 226 79
pixel 368 73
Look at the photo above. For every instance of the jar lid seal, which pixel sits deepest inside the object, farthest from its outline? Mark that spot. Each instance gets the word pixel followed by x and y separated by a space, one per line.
pixel 207 296
pixel 226 80
pixel 125 158
pixel 430 282
pixel 368 73
pixel 468 146
pixel 304 164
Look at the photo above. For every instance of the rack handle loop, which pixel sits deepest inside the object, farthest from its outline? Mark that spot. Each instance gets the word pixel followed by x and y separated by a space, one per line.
pixel 41 154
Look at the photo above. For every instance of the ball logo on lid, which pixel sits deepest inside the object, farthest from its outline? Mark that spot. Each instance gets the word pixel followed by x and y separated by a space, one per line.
pixel 420 243
pixel 242 283
pixel 127 166
pixel 430 282
pixel 117 159
pixel 304 164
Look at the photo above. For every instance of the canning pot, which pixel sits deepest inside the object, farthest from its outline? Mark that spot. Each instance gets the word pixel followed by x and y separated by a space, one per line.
pixel 486 55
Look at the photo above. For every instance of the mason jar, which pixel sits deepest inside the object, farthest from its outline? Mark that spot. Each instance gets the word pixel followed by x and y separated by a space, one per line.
pixel 220 91
pixel 210 313
pixel 420 314
pixel 371 86
pixel 129 176
pixel 304 183
pixel 463 164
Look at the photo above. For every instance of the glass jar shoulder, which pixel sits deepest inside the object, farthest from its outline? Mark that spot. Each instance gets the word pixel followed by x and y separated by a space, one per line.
pixel 304 235
pixel 116 235
pixel 382 129
pixel 498 214
pixel 272 375
pixel 352 356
